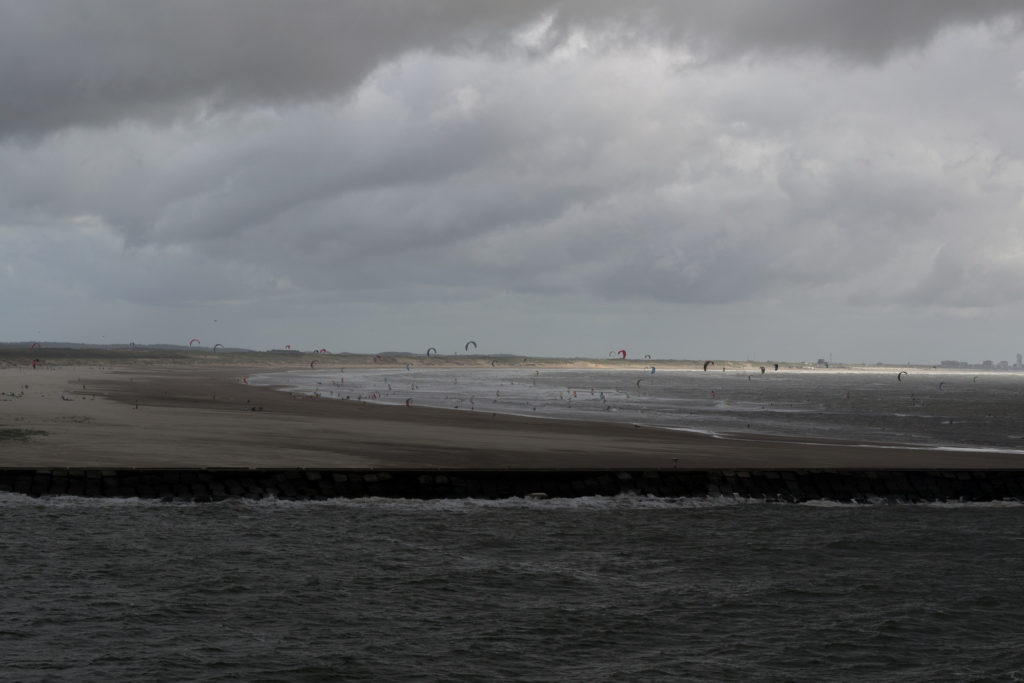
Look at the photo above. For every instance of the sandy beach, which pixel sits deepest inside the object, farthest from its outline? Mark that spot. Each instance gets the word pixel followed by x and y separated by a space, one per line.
pixel 172 409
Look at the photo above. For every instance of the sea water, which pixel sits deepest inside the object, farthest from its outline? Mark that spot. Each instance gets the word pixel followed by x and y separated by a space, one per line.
pixel 930 408
pixel 590 589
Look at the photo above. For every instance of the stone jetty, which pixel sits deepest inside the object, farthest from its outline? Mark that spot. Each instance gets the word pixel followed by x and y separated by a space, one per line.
pixel 789 485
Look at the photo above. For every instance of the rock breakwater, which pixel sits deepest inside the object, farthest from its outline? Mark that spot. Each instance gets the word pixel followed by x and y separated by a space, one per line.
pixel 216 484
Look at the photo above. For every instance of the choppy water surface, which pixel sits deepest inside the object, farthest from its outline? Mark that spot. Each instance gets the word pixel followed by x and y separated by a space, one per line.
pixel 606 589
pixel 925 407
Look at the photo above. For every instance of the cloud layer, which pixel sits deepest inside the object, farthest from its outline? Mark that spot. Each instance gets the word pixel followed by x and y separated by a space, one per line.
pixel 568 175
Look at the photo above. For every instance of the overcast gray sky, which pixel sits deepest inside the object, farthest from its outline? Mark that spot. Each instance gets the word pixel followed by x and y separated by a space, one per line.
pixel 737 179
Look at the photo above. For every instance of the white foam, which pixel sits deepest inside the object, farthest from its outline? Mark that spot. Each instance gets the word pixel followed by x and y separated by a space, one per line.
pixel 11 499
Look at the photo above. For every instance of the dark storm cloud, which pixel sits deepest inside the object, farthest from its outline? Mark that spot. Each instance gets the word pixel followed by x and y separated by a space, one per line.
pixel 94 62
pixel 66 62
pixel 595 173
pixel 868 30
pixel 453 161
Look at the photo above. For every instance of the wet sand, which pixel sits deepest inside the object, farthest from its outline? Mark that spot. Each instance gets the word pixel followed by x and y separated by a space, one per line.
pixel 172 411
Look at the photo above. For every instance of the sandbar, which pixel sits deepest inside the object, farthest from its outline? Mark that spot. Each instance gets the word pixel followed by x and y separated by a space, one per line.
pixel 174 410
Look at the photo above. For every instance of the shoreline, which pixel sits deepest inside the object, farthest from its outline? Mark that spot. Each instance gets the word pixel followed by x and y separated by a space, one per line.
pixel 173 414
pixel 727 434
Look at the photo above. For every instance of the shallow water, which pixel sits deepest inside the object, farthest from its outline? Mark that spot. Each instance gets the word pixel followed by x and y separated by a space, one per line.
pixel 983 411
pixel 605 589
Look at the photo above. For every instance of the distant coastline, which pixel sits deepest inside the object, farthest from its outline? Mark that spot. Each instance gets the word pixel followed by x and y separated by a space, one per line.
pixel 12 353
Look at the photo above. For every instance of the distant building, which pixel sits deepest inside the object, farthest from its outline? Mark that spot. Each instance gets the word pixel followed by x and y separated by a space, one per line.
pixel 953 364
pixel 987 364
pixel 1020 362
pixel 1004 365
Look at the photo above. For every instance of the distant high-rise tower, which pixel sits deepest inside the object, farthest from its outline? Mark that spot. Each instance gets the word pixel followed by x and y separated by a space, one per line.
pixel 1019 363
